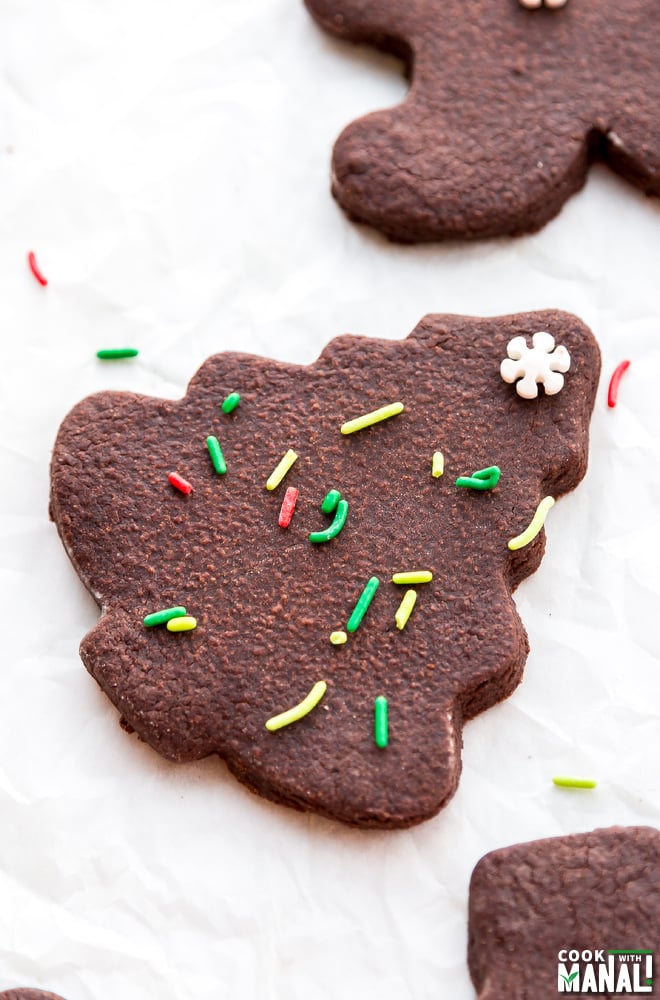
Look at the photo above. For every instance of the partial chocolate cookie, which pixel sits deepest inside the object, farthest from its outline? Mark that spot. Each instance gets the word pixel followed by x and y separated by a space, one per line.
pixel 507 107
pixel 266 599
pixel 25 994
pixel 578 914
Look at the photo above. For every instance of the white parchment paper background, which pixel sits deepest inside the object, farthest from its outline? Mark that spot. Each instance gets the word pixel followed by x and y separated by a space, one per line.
pixel 169 164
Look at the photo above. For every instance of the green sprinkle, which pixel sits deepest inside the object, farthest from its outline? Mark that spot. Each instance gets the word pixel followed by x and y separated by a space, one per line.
pixel 330 501
pixel 405 608
pixel 413 576
pixel 164 616
pixel 437 464
pixel 217 458
pixel 364 600
pixel 482 479
pixel 574 782
pixel 113 353
pixel 338 523
pixel 380 721
pixel 230 403
pixel 369 419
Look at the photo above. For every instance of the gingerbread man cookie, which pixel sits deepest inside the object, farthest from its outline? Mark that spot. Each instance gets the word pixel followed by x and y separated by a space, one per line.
pixel 314 581
pixel 507 108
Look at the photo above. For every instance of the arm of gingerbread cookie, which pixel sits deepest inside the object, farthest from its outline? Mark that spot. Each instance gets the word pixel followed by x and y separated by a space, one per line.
pixel 385 26
pixel 632 146
pixel 419 174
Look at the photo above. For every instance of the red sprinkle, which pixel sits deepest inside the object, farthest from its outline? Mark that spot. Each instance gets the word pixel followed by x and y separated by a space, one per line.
pixel 613 390
pixel 180 483
pixel 32 261
pixel 288 507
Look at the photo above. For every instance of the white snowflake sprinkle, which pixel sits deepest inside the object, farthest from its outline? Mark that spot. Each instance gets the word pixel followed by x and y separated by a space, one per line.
pixel 541 363
pixel 531 4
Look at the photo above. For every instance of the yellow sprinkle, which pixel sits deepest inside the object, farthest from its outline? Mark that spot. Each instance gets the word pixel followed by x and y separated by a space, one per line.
pixel 280 470
pixel 535 525
pixel 298 711
pixel 186 623
pixel 405 608
pixel 413 576
pixel 367 419
pixel 438 464
pixel 338 638
pixel 574 782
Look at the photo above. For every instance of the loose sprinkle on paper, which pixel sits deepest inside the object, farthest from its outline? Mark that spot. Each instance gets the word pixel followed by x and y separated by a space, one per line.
pixel 34 267
pixel 574 782
pixel 613 389
pixel 117 353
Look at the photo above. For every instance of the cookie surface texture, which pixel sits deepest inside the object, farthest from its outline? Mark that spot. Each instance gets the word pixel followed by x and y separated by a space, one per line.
pixel 545 916
pixel 507 107
pixel 266 599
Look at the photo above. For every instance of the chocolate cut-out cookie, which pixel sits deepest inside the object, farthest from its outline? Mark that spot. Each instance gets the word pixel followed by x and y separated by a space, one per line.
pixel 266 599
pixel 20 993
pixel 506 109
pixel 577 914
